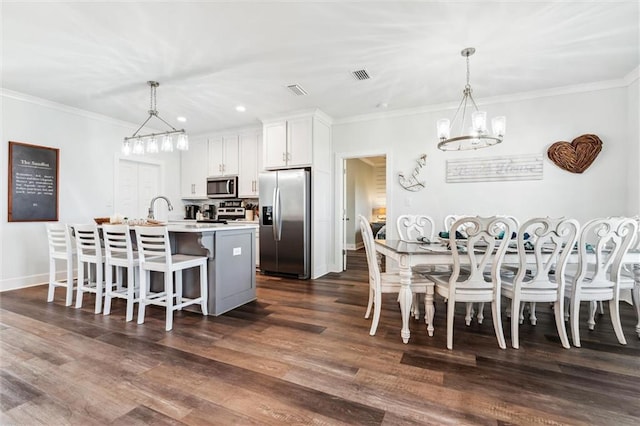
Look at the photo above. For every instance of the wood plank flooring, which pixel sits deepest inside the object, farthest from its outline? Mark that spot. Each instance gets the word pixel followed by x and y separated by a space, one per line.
pixel 302 354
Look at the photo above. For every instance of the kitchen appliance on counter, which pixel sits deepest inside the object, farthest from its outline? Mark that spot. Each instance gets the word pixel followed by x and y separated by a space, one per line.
pixel 285 222
pixel 230 213
pixel 209 211
pixel 222 187
pixel 191 211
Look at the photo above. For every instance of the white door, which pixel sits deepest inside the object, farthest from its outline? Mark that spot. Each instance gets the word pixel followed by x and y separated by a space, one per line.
pixel 138 182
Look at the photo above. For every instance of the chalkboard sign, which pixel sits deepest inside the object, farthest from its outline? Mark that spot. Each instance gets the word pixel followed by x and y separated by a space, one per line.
pixel 33 183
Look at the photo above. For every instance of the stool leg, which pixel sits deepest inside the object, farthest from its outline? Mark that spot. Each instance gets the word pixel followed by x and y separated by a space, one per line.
pixel 69 300
pixel 80 285
pixel 108 288
pixel 144 275
pixel 99 288
pixel 178 288
pixel 131 295
pixel 168 285
pixel 52 279
pixel 204 290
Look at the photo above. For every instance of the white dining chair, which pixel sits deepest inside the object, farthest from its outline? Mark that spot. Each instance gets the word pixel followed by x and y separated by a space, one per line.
pixel 387 282
pixel 468 282
pixel 89 254
pixel 60 249
pixel 154 249
pixel 544 246
pixel 602 245
pixel 119 255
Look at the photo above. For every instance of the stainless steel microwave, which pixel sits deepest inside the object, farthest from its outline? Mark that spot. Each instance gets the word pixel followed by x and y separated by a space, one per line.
pixel 222 187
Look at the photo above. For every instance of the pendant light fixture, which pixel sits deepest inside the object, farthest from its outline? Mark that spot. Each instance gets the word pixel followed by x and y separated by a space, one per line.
pixel 476 135
pixel 135 144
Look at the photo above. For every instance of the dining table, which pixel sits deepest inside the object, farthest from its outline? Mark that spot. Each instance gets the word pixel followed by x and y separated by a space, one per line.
pixel 409 253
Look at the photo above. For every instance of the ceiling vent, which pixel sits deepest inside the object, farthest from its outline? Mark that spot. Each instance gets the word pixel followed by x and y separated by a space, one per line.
pixel 297 90
pixel 360 74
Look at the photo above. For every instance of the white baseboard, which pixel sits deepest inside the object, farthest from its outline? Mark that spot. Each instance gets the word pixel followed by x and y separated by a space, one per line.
pixel 354 247
pixel 24 282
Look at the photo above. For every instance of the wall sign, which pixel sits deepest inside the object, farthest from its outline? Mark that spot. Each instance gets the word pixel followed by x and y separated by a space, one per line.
pixel 33 183
pixel 518 167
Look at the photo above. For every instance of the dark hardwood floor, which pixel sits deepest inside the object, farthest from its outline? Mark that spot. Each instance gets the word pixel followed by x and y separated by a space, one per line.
pixel 302 354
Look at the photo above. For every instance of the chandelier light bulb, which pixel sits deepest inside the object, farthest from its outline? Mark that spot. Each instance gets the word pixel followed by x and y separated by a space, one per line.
pixel 443 128
pixel 126 148
pixel 499 125
pixel 183 142
pixel 167 144
pixel 479 120
pixel 152 145
pixel 138 147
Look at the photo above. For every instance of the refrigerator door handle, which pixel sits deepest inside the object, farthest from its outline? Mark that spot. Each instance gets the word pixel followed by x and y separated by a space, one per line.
pixel 277 217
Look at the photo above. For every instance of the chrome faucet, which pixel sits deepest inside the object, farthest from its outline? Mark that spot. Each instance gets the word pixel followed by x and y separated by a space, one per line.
pixel 153 200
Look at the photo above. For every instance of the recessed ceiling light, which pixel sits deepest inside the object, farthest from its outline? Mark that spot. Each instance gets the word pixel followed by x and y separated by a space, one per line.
pixel 240 108
pixel 182 119
pixel 382 105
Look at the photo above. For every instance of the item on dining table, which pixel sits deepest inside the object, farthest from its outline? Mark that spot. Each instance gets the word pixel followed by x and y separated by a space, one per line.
pixel 459 235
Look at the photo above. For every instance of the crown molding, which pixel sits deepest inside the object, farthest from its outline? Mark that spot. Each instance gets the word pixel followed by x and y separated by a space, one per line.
pixel 5 93
pixel 558 91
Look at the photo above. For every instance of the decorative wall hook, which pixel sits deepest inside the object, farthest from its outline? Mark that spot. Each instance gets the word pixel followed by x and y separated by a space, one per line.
pixel 413 183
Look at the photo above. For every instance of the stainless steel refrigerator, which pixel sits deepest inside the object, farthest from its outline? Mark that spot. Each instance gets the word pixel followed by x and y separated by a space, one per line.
pixel 285 222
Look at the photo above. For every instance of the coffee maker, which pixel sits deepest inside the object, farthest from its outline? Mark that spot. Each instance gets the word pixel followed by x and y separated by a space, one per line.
pixel 209 211
pixel 191 211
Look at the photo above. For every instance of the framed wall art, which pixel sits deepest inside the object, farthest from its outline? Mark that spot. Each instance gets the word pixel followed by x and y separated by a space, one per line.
pixel 33 183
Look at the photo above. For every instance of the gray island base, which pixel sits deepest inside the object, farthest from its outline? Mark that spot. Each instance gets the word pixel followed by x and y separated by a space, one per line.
pixel 231 266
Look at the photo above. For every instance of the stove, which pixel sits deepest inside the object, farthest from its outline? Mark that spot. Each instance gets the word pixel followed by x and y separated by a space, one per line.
pixel 230 213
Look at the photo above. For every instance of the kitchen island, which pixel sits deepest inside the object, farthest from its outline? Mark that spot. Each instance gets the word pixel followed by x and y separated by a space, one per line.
pixel 230 249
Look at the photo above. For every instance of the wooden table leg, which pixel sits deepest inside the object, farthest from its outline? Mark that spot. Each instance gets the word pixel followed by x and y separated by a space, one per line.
pixel 405 297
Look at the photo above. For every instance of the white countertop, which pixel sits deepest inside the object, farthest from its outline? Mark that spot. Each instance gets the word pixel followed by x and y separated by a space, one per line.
pixel 208 227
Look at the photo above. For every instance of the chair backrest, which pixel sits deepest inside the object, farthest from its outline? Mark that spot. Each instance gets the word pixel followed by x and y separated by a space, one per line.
pixel 450 219
pixel 88 242
pixel 59 237
pixel 551 240
pixel 412 227
pixel 602 245
pixel 370 250
pixel 483 247
pixel 153 244
pixel 117 242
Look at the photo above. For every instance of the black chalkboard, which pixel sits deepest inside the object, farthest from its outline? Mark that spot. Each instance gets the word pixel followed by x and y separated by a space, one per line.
pixel 33 183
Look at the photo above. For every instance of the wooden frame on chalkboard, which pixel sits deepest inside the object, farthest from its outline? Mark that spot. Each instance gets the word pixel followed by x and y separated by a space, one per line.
pixel 33 183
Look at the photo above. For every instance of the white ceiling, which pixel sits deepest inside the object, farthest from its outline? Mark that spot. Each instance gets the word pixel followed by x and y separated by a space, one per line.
pixel 211 56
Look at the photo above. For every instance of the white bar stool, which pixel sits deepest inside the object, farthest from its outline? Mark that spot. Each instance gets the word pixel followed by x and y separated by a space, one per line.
pixel 119 254
pixel 89 253
pixel 154 249
pixel 60 248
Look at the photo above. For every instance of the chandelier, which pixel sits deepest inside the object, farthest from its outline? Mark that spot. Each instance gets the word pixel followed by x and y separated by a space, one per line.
pixel 477 135
pixel 138 144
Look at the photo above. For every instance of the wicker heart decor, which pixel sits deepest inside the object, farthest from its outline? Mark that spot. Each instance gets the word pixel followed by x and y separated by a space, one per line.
pixel 577 156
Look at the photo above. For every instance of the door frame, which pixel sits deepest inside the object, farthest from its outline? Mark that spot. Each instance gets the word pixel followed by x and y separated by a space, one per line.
pixel 339 236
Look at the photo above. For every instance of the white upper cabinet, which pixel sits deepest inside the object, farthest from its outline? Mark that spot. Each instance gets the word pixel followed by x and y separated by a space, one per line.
pixel 250 154
pixel 288 143
pixel 223 156
pixel 193 170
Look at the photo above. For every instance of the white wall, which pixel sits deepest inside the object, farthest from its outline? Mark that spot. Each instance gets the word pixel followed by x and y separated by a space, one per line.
pixel 88 146
pixel 533 124
pixel 634 147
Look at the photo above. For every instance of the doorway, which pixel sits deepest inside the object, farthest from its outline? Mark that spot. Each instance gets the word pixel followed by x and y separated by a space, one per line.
pixel 137 182
pixel 364 192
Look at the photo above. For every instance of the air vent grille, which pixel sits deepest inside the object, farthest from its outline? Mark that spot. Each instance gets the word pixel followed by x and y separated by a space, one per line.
pixel 361 74
pixel 297 90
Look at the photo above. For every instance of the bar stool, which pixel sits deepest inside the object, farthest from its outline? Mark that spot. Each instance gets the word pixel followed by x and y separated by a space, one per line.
pixel 89 253
pixel 119 254
pixel 60 248
pixel 154 249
